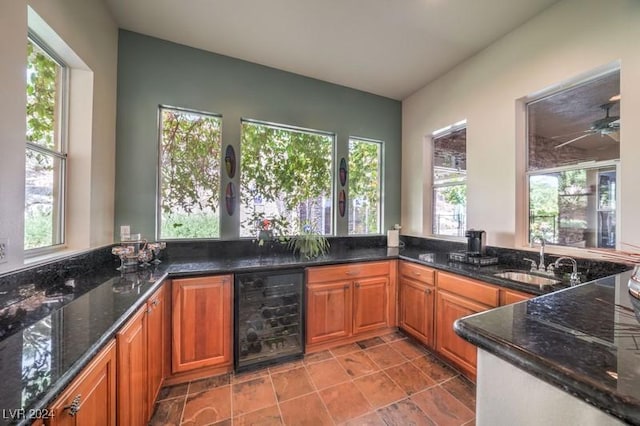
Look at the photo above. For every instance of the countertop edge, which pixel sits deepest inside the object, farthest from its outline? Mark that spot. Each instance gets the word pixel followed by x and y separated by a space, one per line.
pixel 549 372
pixel 60 385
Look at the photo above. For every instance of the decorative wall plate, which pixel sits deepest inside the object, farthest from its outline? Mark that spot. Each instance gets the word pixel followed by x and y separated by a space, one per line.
pixel 230 161
pixel 343 172
pixel 342 203
pixel 230 198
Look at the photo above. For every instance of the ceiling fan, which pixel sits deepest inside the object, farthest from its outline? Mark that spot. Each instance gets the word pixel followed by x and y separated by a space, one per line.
pixel 607 126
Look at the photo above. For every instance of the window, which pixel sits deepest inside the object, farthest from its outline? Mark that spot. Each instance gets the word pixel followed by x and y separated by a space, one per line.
pixel 364 186
pixel 286 178
pixel 573 151
pixel 190 150
pixel 450 180
pixel 46 156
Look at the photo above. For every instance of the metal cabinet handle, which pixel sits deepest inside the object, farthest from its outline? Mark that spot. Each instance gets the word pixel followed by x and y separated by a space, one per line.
pixel 351 273
pixel 74 407
pixel 357 285
pixel 155 302
pixel 416 273
pixel 346 287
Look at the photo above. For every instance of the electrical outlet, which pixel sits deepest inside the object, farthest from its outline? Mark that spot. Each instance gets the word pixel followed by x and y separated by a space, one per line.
pixel 4 249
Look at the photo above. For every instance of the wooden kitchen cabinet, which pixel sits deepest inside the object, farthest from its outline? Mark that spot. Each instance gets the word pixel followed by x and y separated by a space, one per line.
pixel 328 311
pixel 157 345
pixel 202 323
pixel 417 302
pixel 132 370
pixel 141 350
pixel 91 398
pixel 370 304
pixel 458 297
pixel 349 300
pixel 508 296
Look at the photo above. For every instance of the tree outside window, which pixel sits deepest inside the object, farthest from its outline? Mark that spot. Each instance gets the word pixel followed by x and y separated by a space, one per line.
pixel 364 186
pixel 190 149
pixel 285 178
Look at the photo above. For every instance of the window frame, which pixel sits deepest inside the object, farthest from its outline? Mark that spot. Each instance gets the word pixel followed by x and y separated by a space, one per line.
pixel 525 227
pixel 59 209
pixel 447 130
pixel 589 165
pixel 381 174
pixel 158 225
pixel 334 193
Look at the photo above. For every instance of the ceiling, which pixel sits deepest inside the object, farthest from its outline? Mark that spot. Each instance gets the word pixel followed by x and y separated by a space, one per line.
pixel 386 47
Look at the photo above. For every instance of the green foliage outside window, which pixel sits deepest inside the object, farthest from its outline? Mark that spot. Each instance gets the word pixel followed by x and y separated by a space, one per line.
pixel 190 174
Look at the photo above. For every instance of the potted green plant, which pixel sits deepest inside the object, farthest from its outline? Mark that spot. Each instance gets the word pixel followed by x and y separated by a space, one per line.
pixel 308 243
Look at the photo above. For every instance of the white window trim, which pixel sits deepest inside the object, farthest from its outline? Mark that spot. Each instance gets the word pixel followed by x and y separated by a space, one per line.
pixel 61 154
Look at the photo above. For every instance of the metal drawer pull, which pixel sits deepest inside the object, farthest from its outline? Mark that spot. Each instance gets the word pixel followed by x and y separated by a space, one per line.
pixel 352 273
pixel 74 407
pixel 155 302
pixel 346 287
pixel 357 285
pixel 416 273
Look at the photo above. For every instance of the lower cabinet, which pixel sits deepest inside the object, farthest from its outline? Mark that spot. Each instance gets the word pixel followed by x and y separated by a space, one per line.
pixel 91 398
pixel 451 307
pixel 349 300
pixel 329 314
pixel 417 303
pixel 201 323
pixel 370 304
pixel 141 351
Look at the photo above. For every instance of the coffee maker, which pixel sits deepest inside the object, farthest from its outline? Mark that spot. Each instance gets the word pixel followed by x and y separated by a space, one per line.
pixel 475 242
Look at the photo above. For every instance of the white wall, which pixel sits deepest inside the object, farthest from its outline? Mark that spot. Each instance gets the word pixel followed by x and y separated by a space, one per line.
pixel 565 41
pixel 522 399
pixel 90 31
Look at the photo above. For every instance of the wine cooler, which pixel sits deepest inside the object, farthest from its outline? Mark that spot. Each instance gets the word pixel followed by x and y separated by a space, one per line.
pixel 268 318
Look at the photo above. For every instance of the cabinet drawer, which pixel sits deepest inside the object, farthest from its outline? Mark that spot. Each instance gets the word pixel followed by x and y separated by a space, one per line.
pixel 511 296
pixel 349 271
pixel 418 272
pixel 465 287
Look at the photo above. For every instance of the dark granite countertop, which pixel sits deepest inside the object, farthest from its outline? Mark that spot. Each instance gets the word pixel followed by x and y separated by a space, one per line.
pixel 584 340
pixel 55 318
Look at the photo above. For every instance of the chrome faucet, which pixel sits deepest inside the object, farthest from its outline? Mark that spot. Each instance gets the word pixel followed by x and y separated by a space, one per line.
pixel 540 267
pixel 574 278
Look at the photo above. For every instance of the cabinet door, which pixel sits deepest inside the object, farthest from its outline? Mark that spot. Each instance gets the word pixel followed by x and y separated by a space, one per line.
pixel 370 304
pixel 328 311
pixel 448 343
pixel 416 309
pixel 156 346
pixel 201 329
pixel 93 392
pixel 132 371
pixel 511 296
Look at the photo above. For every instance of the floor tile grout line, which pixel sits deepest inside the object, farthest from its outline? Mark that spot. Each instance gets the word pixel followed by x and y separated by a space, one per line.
pixel 275 394
pixel 320 396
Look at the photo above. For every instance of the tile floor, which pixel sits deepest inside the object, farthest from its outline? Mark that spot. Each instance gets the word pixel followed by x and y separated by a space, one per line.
pixel 386 380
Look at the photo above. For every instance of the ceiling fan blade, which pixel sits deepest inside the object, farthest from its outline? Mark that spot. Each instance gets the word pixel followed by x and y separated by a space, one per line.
pixel 572 140
pixel 570 134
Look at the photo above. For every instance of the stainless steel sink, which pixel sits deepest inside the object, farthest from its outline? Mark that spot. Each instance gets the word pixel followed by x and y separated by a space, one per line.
pixel 527 278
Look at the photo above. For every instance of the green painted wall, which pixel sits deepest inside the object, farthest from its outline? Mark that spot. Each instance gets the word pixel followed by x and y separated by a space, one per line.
pixel 152 72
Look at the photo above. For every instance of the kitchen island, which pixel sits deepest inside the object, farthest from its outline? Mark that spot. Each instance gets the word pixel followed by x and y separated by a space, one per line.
pixel 571 357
